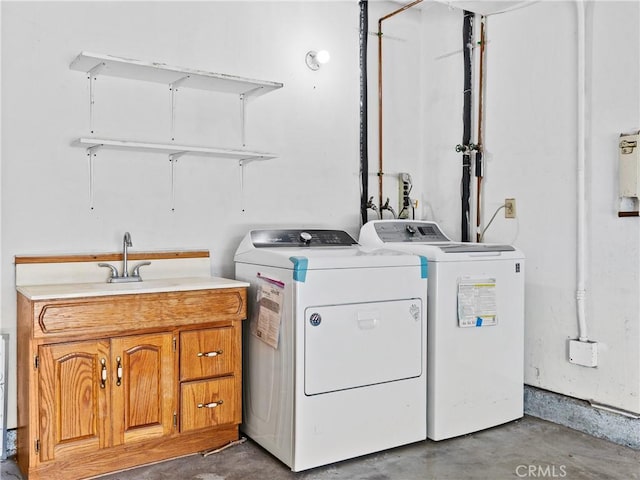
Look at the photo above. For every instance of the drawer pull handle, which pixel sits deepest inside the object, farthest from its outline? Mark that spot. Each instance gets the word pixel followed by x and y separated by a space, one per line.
pixel 119 371
pixel 103 373
pixel 209 354
pixel 210 405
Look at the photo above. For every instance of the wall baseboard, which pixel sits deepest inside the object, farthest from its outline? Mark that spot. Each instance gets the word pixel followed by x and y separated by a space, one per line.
pixel 582 416
pixel 10 449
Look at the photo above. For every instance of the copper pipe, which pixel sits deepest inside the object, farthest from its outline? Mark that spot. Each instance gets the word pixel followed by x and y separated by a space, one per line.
pixel 480 115
pixel 380 163
pixel 481 73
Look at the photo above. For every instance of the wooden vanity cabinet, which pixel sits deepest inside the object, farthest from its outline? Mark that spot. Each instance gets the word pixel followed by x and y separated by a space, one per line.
pixel 159 378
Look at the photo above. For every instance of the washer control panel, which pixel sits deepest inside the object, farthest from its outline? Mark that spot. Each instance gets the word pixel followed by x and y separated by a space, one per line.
pixel 301 238
pixel 410 231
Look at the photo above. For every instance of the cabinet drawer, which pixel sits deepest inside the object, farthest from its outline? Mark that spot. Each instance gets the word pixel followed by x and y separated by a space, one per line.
pixel 208 403
pixel 207 353
pixel 112 314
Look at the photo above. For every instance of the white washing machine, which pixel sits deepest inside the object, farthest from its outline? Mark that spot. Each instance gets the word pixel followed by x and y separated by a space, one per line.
pixel 475 324
pixel 335 350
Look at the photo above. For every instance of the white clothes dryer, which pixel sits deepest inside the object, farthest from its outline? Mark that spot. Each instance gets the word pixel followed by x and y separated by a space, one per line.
pixel 335 353
pixel 475 325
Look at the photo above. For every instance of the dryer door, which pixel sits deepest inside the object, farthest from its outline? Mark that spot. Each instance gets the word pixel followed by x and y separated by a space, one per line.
pixel 354 345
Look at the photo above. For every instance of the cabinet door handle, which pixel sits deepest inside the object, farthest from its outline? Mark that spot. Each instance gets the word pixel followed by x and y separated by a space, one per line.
pixel 119 371
pixel 209 354
pixel 103 373
pixel 210 405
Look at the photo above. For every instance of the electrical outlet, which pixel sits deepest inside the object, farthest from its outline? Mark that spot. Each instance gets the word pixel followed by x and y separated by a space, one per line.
pixel 509 208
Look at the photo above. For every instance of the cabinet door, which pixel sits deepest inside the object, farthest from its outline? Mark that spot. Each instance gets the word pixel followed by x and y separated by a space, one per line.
pixel 74 399
pixel 143 387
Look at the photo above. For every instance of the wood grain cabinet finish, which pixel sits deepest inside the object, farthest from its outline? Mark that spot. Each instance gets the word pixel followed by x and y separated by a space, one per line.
pixel 207 353
pixel 208 402
pixel 134 389
pixel 74 407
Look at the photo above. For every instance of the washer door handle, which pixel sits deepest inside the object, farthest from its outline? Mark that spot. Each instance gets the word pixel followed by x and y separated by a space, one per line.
pixel 367 323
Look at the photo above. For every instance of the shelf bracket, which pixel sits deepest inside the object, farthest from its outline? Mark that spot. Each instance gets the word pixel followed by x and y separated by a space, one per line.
pixel 91 154
pixel 241 163
pixel 173 160
pixel 249 93
pixel 92 75
pixel 244 98
pixel 243 106
pixel 173 89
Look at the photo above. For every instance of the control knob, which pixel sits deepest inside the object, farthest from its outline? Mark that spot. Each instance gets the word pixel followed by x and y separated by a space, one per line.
pixel 305 237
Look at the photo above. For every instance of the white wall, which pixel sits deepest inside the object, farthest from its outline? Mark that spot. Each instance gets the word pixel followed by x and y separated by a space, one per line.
pixel 311 123
pixel 402 90
pixel 530 141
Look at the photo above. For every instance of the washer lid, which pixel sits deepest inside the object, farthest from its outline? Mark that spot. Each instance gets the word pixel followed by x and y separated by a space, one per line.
pixel 326 249
pixel 325 259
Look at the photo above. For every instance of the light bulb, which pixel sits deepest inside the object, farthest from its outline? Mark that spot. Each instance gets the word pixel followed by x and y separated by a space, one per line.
pixel 315 59
pixel 323 56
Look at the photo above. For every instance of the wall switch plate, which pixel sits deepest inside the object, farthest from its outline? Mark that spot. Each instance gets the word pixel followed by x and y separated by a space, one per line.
pixel 509 208
pixel 583 353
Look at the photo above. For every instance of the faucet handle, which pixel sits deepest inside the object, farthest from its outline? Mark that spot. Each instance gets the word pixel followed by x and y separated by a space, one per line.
pixel 114 270
pixel 136 269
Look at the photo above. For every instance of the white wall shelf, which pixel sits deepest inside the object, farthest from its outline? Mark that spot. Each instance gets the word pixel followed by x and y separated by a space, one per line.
pixel 98 64
pixel 174 151
pixel 95 64
pixel 171 148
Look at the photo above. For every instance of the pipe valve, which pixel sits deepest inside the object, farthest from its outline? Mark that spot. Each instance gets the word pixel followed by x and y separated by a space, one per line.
pixel 472 147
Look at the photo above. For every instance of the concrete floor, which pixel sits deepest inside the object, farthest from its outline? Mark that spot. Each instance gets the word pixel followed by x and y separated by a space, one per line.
pixel 528 448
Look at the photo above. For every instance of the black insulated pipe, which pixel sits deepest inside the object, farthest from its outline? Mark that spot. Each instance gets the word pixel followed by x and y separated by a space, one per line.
pixel 364 155
pixel 467 47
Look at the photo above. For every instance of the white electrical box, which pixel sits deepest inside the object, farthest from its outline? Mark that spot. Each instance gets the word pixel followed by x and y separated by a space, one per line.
pixel 583 353
pixel 629 153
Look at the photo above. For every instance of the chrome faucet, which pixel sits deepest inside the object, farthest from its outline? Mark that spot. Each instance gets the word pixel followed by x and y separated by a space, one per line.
pixel 126 242
pixel 125 277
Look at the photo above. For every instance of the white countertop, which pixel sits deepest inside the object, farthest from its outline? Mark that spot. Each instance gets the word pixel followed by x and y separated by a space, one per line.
pixel 77 290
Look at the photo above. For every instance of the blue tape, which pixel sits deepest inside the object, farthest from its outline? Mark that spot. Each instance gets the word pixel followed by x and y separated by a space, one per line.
pixel 424 267
pixel 479 322
pixel 299 268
